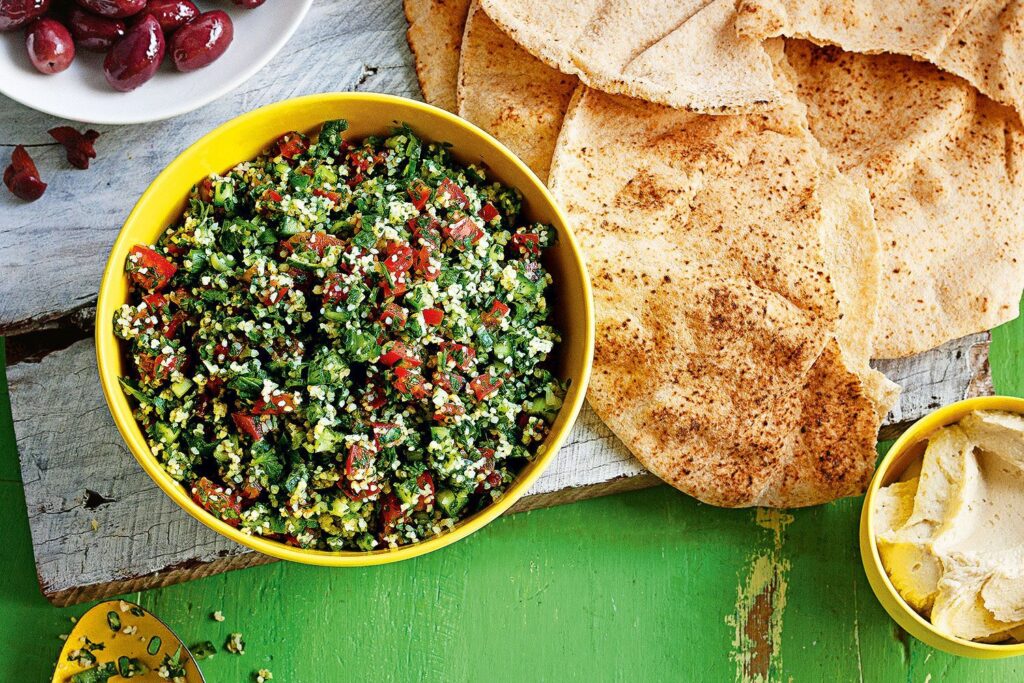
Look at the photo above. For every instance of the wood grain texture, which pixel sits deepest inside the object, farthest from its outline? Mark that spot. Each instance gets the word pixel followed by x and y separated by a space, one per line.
pixel 340 46
pixel 144 540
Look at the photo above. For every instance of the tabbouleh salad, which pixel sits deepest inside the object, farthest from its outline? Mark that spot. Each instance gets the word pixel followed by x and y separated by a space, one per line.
pixel 342 345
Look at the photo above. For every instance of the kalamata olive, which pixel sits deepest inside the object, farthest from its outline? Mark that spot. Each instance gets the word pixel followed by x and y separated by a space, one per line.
pixel 135 58
pixel 49 45
pixel 172 14
pixel 16 13
pixel 249 4
pixel 202 40
pixel 22 177
pixel 115 9
pixel 93 32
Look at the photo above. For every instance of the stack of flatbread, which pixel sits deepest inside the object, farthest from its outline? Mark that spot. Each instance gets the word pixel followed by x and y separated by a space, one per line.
pixel 769 193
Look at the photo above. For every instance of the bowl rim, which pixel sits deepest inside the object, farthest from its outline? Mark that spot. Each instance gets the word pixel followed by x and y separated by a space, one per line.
pixel 107 346
pixel 905 615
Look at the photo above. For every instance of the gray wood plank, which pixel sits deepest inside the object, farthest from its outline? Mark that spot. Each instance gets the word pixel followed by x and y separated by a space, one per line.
pixel 76 469
pixel 62 240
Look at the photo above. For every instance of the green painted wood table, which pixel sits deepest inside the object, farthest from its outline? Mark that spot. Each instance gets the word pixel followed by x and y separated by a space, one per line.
pixel 648 585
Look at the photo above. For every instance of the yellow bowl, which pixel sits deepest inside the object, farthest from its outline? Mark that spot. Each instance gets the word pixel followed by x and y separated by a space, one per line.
pixel 908 448
pixel 245 137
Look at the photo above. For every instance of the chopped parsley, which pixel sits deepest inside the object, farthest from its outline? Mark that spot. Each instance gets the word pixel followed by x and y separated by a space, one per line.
pixel 344 345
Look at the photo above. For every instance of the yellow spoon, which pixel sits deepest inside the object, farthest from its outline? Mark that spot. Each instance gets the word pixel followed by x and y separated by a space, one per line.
pixel 126 641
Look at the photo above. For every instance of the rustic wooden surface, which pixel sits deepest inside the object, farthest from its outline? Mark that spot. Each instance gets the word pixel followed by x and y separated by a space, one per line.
pixel 144 540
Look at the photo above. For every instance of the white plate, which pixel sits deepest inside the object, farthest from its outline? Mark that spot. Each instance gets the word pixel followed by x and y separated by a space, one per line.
pixel 81 93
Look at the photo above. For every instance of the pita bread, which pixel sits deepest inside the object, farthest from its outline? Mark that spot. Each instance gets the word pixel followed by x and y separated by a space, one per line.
pixel 682 54
pixel 981 41
pixel 435 37
pixel 942 164
pixel 510 93
pixel 717 361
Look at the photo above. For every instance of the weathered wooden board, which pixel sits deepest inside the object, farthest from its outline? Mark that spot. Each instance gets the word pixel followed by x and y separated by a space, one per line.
pixel 76 471
pixel 62 240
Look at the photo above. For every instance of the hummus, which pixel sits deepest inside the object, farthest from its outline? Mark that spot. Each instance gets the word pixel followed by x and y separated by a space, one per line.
pixel 951 535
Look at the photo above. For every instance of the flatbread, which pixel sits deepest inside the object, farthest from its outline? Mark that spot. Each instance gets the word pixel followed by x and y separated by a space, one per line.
pixel 435 37
pixel 511 94
pixel 682 54
pixel 943 166
pixel 717 360
pixel 981 41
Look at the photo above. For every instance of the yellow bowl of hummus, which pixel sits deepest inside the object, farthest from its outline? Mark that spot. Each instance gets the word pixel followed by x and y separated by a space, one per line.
pixel 942 529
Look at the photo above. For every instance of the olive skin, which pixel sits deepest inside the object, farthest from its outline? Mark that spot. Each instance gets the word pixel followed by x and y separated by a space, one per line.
pixel 202 41
pixel 49 45
pixel 135 58
pixel 93 32
pixel 114 9
pixel 172 14
pixel 17 13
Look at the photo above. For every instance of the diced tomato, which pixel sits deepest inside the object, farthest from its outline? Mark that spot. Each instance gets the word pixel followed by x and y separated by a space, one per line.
pixel 461 230
pixel 253 426
pixel 394 316
pixel 399 258
pixel 367 489
pixel 355 180
pixel 148 269
pixel 460 353
pixel 428 235
pixel 387 434
pixel 488 212
pixel 177 320
pixel 449 380
pixel 312 241
pixel 278 405
pixel 271 195
pixel 291 145
pixel 398 352
pixel 433 316
pixel 400 287
pixel 492 479
pixel 361 159
pixel 175 249
pixel 250 489
pixel 206 190
pixel 449 188
pixel 484 385
pixel 390 514
pixel 213 498
pixel 527 242
pixel 410 383
pixel 335 197
pixel 273 296
pixel 423 267
pixel 495 315
pixel 158 367
pixel 419 194
pixel 224 352
pixel 335 289
pixel 156 303
pixel 358 461
pixel 447 411
pixel 425 482
pixel 375 398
